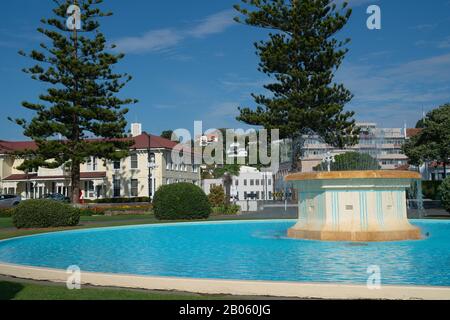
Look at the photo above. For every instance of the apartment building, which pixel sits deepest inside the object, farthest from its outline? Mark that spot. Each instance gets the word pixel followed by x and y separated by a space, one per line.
pixel 148 166
pixel 251 184
pixel 384 144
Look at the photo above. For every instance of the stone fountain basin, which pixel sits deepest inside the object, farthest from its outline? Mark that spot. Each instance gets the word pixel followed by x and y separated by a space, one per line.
pixel 353 206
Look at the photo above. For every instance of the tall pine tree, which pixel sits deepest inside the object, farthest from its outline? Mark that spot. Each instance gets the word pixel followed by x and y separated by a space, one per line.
pixel 302 56
pixel 82 99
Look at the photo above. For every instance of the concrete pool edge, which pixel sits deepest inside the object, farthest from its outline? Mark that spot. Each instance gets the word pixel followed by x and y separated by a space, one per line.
pixel 232 287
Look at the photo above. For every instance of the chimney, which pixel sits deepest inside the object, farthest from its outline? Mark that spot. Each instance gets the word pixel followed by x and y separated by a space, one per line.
pixel 136 129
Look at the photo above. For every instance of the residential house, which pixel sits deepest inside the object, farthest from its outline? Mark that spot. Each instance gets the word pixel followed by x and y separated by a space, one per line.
pixel 130 177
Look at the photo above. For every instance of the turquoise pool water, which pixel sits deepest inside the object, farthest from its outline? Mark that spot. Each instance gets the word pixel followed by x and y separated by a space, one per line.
pixel 237 250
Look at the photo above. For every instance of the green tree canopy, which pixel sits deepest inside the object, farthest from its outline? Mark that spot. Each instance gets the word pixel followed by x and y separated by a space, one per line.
pixel 82 97
pixel 301 56
pixel 351 161
pixel 432 143
pixel 167 134
pixel 232 169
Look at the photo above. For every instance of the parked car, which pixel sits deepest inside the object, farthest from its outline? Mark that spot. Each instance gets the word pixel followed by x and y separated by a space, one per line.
pixel 56 197
pixel 9 200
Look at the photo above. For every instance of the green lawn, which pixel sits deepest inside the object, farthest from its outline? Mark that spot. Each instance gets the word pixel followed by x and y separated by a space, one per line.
pixel 7 229
pixel 23 290
pixel 19 290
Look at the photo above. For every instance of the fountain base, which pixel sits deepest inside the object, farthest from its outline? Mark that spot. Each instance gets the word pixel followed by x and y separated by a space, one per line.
pixel 358 206
pixel 364 236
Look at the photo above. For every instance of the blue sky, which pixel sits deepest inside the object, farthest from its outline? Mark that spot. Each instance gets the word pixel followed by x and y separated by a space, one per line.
pixel 190 61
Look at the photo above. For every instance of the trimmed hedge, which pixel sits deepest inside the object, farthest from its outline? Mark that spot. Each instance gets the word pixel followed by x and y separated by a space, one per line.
pixel 6 212
pixel 227 210
pixel 181 201
pixel 444 191
pixel 45 214
pixel 120 200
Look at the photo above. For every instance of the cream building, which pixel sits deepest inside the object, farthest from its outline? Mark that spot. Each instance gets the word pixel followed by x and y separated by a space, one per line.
pixel 250 184
pixel 131 177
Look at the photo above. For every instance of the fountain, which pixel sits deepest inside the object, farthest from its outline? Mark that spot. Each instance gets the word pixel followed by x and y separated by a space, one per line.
pixel 353 206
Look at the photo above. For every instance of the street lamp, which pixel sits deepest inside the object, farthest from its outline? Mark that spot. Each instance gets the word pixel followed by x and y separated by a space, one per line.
pixel 151 166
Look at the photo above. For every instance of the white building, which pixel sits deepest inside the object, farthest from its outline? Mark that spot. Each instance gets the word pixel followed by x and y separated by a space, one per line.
pixel 384 144
pixel 251 184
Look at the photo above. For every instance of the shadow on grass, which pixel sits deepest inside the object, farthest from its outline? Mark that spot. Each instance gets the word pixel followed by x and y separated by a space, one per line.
pixel 9 290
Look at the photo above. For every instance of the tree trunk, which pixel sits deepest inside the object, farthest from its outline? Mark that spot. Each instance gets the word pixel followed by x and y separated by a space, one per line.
pixel 76 182
pixel 297 152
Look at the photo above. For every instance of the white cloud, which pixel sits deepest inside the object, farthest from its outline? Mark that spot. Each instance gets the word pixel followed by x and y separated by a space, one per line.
pixel 444 44
pixel 162 39
pixel 216 23
pixel 155 40
pixel 424 27
pixel 395 94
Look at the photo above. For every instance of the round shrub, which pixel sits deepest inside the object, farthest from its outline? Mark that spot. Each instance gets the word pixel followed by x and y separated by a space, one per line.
pixel 351 161
pixel 444 191
pixel 181 201
pixel 45 214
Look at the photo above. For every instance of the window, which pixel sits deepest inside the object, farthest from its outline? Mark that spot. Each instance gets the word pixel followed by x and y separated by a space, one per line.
pixel 270 195
pixel 116 165
pixel 134 187
pixel 116 186
pixel 92 164
pixel 245 182
pixel 245 195
pixel 269 182
pixel 252 182
pixel 134 161
pixel 257 182
pixel 89 189
pixel 236 182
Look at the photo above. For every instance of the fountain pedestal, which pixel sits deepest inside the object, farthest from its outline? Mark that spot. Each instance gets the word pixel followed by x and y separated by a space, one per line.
pixel 353 206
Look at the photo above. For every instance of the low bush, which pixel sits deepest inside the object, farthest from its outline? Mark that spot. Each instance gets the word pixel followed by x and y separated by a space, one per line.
pixel 216 196
pixel 123 200
pixel 444 190
pixel 181 201
pixel 226 210
pixel 350 161
pixel 430 189
pixel 6 212
pixel 45 214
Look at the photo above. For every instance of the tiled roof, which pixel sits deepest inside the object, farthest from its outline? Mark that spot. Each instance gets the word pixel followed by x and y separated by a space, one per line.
pixel 10 146
pixel 142 141
pixel 411 132
pixel 404 167
pixel 34 176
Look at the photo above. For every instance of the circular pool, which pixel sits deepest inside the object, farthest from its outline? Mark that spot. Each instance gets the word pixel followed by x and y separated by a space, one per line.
pixel 249 250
